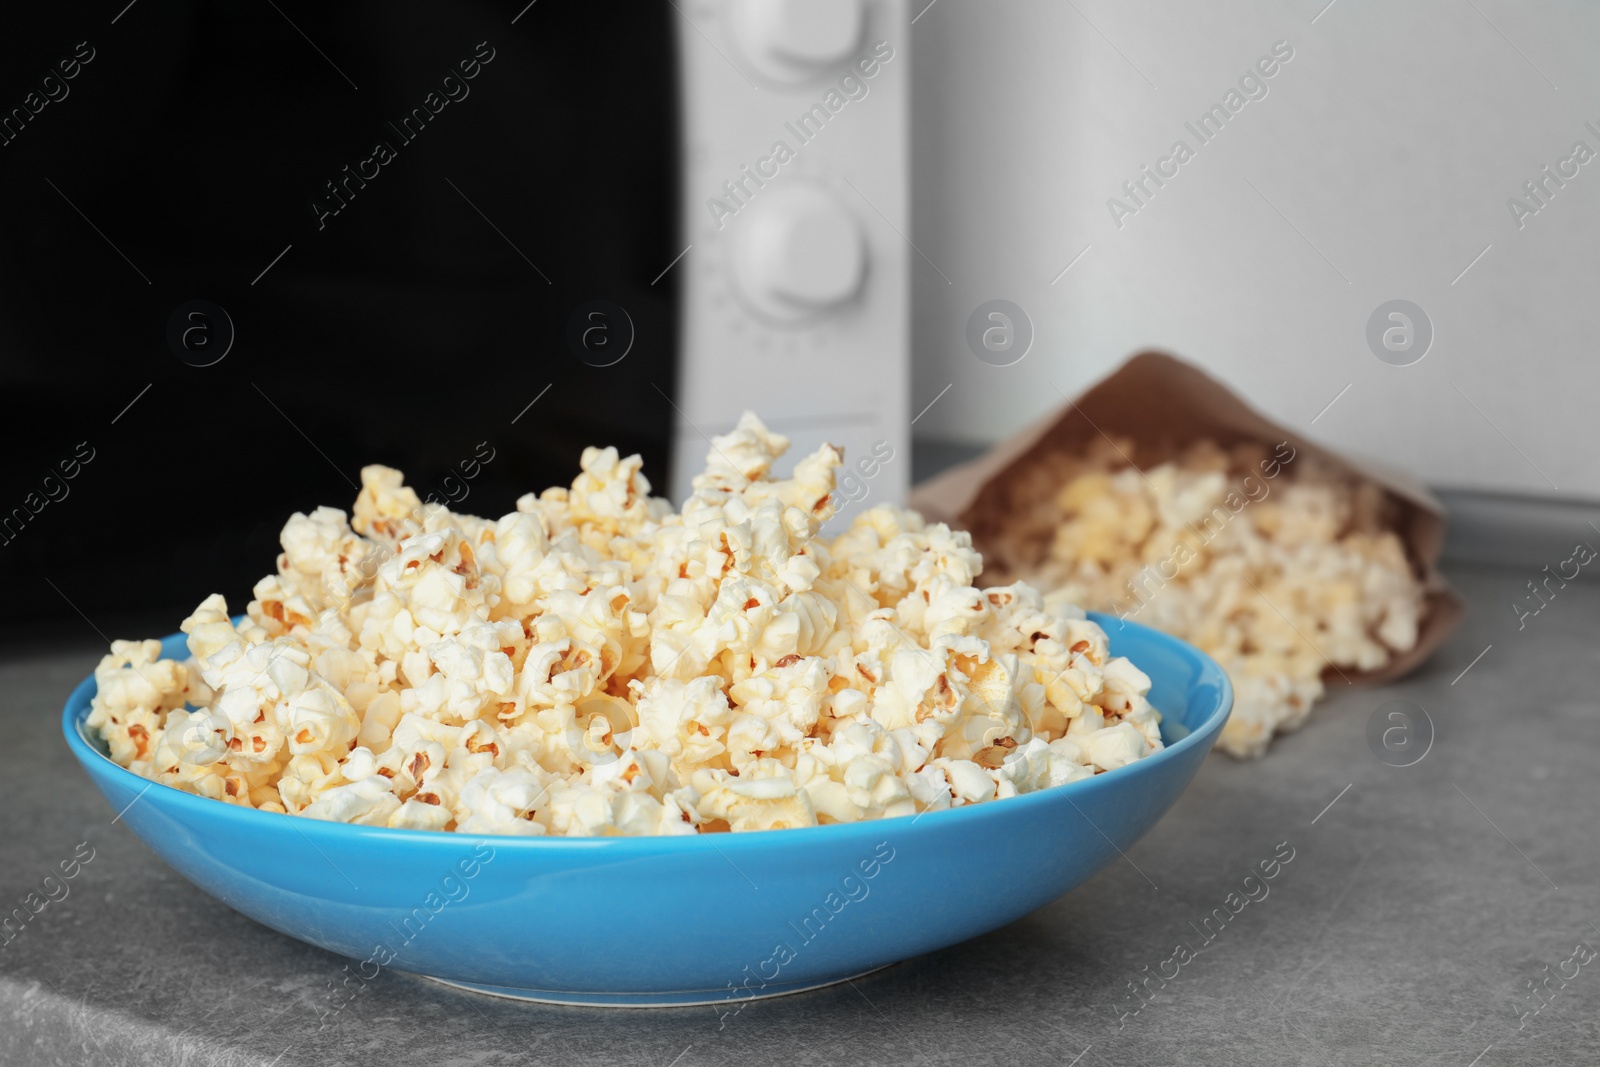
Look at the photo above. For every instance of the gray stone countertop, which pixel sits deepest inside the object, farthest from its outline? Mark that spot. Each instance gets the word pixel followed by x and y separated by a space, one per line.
pixel 1421 905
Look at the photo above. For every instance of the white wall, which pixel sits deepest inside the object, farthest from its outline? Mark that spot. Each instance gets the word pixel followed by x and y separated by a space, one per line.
pixel 1391 142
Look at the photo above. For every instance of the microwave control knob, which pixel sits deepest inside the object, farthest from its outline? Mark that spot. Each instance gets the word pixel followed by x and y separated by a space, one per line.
pixel 796 251
pixel 793 40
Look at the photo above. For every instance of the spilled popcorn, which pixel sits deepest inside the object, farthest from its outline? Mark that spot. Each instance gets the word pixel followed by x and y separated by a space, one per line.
pixel 595 663
pixel 1275 566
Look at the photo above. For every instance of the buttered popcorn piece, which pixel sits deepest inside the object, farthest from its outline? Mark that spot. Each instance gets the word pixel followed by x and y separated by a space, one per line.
pixel 596 663
pixel 1276 566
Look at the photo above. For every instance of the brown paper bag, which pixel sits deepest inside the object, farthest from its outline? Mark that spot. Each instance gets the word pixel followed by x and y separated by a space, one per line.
pixel 1158 400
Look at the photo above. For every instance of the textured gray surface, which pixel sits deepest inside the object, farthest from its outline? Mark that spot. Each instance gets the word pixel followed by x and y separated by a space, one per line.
pixel 1405 930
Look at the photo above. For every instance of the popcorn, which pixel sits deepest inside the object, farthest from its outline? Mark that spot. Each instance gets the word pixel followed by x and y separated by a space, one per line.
pixel 596 663
pixel 1277 567
pixel 503 802
pixel 368 802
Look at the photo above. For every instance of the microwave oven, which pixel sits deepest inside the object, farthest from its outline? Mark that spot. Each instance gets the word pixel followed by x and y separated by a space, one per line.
pixel 256 248
pixel 795 207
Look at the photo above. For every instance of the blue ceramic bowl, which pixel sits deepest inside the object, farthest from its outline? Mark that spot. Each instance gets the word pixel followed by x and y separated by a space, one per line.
pixel 658 921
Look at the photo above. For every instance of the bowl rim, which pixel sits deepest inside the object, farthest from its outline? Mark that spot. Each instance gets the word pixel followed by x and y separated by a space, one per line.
pixel 319 831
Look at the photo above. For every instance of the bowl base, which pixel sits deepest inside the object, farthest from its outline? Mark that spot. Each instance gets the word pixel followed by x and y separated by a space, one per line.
pixel 677 999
